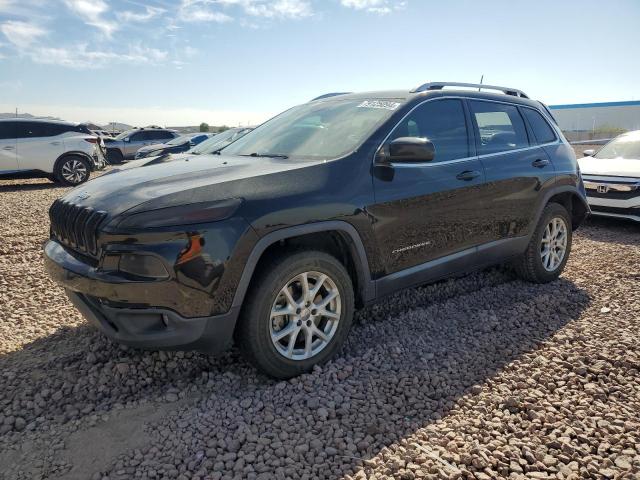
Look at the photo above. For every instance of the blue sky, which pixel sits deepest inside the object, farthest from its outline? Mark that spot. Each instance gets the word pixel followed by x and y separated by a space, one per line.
pixel 240 61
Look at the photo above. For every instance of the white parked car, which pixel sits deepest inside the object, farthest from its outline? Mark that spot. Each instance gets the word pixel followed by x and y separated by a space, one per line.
pixel 612 177
pixel 64 152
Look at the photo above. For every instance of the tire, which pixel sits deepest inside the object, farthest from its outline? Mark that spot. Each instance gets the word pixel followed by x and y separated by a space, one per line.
pixel 114 156
pixel 533 266
pixel 72 170
pixel 256 326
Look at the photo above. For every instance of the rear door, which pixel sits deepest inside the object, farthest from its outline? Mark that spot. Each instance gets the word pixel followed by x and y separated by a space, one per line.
pixel 8 157
pixel 38 145
pixel 516 168
pixel 425 211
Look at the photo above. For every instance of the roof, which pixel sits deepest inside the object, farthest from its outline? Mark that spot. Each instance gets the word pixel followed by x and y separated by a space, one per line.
pixel 595 105
pixel 40 120
pixel 408 95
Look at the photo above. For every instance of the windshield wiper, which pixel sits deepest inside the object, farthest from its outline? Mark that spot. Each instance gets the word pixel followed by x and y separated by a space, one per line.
pixel 269 155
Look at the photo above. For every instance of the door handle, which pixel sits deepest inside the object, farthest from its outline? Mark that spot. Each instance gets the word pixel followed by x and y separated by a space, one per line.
pixel 8 147
pixel 55 143
pixel 540 163
pixel 468 175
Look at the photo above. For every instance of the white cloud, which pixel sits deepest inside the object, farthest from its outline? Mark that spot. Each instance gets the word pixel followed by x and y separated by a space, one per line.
pixel 92 12
pixel 139 17
pixel 381 7
pixel 22 34
pixel 209 10
pixel 200 11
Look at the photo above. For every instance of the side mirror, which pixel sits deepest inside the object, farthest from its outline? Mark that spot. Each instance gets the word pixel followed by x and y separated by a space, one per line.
pixel 411 150
pixel 589 153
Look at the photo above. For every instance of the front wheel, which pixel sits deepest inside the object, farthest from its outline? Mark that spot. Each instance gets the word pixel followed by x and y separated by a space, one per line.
pixel 72 170
pixel 549 247
pixel 298 313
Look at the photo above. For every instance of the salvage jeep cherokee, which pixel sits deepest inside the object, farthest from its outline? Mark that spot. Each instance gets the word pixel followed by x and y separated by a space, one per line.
pixel 325 208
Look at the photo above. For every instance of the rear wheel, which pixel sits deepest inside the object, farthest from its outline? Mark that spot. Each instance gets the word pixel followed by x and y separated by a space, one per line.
pixel 298 313
pixel 72 170
pixel 549 247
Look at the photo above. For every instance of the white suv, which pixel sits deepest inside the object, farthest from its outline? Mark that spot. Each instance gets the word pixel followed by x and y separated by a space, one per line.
pixel 61 151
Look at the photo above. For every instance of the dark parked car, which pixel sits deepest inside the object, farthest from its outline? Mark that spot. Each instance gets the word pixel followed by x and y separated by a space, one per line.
pixel 212 145
pixel 325 208
pixel 177 145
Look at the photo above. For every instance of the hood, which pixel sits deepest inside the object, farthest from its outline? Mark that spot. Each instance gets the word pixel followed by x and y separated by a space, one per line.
pixel 617 167
pixel 186 179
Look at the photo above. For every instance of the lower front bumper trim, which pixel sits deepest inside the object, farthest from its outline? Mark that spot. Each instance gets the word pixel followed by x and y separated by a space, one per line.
pixel 154 328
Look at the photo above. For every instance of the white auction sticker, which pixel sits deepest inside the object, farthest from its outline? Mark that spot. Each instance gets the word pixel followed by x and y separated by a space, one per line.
pixel 379 104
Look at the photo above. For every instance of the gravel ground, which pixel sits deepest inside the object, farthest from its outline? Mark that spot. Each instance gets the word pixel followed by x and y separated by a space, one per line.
pixel 479 377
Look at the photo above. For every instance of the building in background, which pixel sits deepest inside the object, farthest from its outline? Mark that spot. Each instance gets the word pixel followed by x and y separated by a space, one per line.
pixel 588 121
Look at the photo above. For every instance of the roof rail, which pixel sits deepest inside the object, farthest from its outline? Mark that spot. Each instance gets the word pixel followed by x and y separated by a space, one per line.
pixel 327 95
pixel 440 85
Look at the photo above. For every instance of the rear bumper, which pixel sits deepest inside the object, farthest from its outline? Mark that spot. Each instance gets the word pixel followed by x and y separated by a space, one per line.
pixel 151 328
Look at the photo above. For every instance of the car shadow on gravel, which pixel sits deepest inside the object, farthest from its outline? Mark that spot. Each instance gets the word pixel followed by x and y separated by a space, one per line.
pixel 6 187
pixel 407 362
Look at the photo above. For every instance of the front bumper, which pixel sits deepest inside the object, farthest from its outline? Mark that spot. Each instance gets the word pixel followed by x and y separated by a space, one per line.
pixel 107 301
pixel 614 196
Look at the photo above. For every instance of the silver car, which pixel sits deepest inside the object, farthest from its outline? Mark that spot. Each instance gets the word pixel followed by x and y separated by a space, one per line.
pixel 124 146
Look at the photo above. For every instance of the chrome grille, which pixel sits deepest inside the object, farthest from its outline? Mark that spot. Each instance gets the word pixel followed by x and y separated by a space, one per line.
pixel 75 227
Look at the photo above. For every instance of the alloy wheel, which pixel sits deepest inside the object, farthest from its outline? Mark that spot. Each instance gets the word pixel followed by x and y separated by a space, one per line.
pixel 74 171
pixel 554 244
pixel 305 315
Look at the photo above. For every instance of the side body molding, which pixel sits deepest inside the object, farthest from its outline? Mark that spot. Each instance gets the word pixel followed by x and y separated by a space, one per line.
pixel 367 285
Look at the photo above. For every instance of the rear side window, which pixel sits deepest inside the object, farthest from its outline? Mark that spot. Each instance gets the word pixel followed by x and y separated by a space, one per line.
pixel 7 130
pixel 443 123
pixel 541 129
pixel 501 127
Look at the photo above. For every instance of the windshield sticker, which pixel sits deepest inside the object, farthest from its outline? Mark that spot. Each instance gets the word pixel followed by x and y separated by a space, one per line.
pixel 379 104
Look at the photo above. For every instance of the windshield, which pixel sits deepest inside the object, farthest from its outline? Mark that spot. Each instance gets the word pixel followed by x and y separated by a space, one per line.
pixel 180 140
pixel 625 146
pixel 219 141
pixel 327 129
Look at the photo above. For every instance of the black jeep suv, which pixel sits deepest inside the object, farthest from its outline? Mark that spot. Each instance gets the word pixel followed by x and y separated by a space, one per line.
pixel 325 208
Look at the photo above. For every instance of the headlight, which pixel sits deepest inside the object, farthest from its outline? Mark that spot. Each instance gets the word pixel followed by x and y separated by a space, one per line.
pixel 191 214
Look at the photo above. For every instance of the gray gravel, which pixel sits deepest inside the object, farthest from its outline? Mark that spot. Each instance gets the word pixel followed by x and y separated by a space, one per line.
pixel 479 377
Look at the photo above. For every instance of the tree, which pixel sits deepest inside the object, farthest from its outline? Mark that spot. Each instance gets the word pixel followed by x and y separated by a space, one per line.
pixel 204 127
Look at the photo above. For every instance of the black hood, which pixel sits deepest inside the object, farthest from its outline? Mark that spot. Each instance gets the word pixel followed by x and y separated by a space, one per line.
pixel 187 179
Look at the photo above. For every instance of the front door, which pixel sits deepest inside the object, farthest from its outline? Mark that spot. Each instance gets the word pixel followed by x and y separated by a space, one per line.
pixel 516 168
pixel 8 158
pixel 425 211
pixel 37 146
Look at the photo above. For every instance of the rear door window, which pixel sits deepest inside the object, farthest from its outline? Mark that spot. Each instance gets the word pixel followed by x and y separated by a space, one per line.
pixel 500 127
pixel 161 135
pixel 443 123
pixel 31 130
pixel 140 136
pixel 541 128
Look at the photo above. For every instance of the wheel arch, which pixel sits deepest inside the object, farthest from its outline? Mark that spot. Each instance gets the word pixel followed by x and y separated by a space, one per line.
pixel 73 153
pixel 570 198
pixel 314 235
